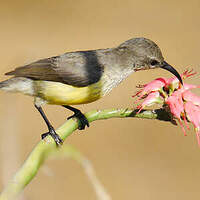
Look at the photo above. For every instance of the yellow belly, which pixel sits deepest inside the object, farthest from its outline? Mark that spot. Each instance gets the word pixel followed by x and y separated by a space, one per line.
pixel 63 94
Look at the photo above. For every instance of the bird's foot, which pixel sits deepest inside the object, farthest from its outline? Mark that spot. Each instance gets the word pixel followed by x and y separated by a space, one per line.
pixel 82 119
pixel 54 135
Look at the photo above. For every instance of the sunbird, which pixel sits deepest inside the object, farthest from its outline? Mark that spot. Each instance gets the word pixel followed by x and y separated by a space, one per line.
pixel 82 77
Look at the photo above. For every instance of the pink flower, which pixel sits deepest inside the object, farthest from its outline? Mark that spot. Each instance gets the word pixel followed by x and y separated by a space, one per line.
pixel 180 101
pixel 152 98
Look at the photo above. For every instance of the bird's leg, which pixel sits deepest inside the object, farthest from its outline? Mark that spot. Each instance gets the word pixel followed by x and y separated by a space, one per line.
pixel 79 115
pixel 52 131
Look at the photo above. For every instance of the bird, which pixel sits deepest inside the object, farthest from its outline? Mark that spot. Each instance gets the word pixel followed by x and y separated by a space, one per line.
pixel 82 77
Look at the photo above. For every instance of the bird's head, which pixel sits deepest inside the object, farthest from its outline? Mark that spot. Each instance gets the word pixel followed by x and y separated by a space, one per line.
pixel 146 55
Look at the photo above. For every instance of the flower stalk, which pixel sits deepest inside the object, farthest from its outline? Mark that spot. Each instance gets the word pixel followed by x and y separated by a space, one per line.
pixel 45 147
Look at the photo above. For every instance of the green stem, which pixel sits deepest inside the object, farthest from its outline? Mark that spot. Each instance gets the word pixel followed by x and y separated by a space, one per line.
pixel 41 151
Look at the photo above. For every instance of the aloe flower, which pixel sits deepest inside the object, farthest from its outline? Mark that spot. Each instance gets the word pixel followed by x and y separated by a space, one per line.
pixel 176 98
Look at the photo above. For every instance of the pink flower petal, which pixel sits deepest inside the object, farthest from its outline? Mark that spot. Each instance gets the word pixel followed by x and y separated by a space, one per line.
pixel 182 127
pixel 198 136
pixel 176 104
pixel 154 85
pixel 189 86
pixel 189 96
pixel 193 113
pixel 186 122
pixel 152 98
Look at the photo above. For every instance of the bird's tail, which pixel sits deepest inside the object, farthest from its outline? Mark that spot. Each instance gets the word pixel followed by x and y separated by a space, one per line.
pixel 18 84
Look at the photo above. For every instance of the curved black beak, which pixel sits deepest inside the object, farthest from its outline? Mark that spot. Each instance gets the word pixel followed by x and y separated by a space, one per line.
pixel 172 70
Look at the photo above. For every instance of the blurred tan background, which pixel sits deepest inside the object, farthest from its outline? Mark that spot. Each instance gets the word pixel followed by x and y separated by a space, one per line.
pixel 134 159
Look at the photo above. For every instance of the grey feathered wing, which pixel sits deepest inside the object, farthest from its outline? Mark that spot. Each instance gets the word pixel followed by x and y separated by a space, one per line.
pixel 77 69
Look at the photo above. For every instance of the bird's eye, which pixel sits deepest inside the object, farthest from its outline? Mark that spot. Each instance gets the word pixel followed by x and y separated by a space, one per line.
pixel 154 62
